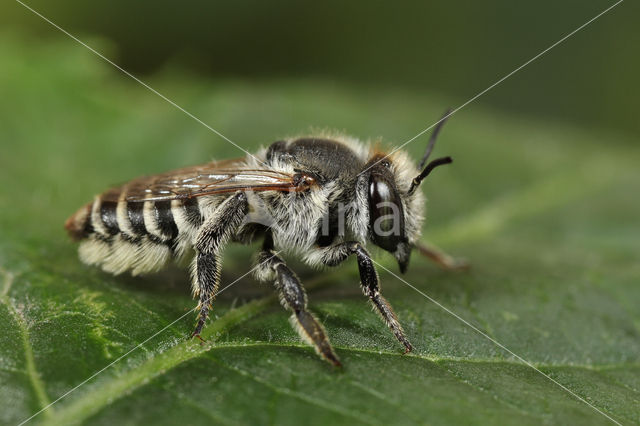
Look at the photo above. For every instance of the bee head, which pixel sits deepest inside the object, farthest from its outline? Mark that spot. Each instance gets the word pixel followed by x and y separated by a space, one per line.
pixel 387 227
pixel 391 191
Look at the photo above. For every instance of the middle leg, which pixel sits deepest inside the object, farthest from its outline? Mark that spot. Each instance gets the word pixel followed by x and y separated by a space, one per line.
pixel 292 296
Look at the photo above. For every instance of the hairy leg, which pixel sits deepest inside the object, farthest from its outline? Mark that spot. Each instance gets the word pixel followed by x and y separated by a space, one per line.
pixel 211 238
pixel 292 296
pixel 337 254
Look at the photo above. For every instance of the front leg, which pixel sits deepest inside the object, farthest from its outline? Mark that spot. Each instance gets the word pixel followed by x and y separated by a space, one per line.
pixel 443 259
pixel 211 238
pixel 292 296
pixel 334 255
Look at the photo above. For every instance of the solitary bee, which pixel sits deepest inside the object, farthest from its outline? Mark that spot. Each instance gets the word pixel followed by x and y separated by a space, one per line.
pixel 320 198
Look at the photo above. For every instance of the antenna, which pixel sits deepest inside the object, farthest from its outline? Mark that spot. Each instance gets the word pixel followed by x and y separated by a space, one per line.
pixel 435 163
pixel 434 136
pixel 432 165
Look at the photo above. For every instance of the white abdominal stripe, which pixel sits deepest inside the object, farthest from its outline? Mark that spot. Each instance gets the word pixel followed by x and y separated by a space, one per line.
pixel 138 236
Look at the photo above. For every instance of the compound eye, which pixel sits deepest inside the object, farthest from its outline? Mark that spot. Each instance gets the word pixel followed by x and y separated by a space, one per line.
pixel 386 217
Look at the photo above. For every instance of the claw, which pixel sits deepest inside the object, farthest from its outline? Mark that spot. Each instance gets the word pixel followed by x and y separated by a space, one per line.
pixel 441 258
pixel 196 334
pixel 459 264
pixel 407 348
pixel 334 360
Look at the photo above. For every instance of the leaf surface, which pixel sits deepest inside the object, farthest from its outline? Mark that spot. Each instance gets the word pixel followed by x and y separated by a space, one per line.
pixel 546 213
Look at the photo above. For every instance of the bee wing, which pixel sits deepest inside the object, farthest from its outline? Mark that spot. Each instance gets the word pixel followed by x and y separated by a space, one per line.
pixel 213 178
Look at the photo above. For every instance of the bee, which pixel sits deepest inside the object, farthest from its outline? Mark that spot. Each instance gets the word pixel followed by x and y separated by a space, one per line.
pixel 320 198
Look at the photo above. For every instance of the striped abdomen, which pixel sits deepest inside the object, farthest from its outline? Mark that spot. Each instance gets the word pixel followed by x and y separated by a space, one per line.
pixel 141 236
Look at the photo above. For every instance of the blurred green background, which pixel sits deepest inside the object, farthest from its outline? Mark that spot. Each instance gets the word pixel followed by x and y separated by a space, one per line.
pixel 542 198
pixel 455 48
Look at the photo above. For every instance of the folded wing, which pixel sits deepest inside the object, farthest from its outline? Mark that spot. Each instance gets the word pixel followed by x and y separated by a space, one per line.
pixel 208 179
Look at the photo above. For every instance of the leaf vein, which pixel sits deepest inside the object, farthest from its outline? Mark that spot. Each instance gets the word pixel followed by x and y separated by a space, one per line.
pixel 284 391
pixel 31 370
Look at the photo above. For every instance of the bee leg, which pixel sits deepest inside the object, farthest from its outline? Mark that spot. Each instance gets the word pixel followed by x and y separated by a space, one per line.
pixel 211 238
pixel 335 255
pixel 443 259
pixel 293 297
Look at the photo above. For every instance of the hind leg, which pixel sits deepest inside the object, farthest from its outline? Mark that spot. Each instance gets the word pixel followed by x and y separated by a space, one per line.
pixel 211 238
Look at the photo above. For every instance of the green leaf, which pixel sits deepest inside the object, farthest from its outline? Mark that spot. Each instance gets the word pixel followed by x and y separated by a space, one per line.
pixel 546 213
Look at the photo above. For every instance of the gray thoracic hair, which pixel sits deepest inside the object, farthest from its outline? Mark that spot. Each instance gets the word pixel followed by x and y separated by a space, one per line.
pixel 345 189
